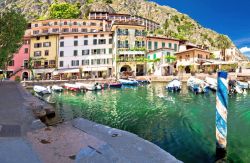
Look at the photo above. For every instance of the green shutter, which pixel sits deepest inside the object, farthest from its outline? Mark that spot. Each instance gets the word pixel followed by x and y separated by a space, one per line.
pixel 154 56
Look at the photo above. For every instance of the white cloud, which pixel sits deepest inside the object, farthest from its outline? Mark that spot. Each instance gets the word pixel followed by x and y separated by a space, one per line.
pixel 245 49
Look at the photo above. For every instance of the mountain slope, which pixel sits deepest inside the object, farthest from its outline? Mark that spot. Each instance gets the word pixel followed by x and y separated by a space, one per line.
pixel 179 25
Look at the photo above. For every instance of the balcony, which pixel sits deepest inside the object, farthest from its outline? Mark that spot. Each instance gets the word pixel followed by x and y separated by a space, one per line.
pixel 131 59
pixel 44 66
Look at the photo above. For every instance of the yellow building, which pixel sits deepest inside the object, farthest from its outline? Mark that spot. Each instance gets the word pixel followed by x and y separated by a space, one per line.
pixel 43 52
pixel 129 43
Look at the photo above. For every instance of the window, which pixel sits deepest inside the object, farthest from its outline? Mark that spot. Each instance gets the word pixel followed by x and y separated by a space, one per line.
pixel 102 35
pixel 98 61
pixel 25 63
pixel 75 43
pixel 37 45
pixel 61 38
pixel 84 30
pixel 102 41
pixel 75 52
pixel 74 30
pixel 74 23
pixel 46 53
pixel 110 35
pixel 83 23
pixel 65 23
pixel 37 53
pixel 154 56
pixel 110 50
pixel 65 30
pixel 55 30
pixel 93 24
pixel 110 41
pixel 95 35
pixel 37 64
pixel 52 62
pixel 36 32
pixel 85 42
pixel 85 62
pixel 36 25
pixel 55 23
pixel 61 53
pixel 46 37
pixel 175 47
pixel 156 45
pixel 61 44
pixel 163 45
pixel 11 63
pixel 26 50
pixel 75 37
pixel 170 45
pixel 37 38
pixel 95 41
pixel 75 63
pixel 85 36
pixel 46 44
pixel 150 45
pixel 61 63
pixel 85 52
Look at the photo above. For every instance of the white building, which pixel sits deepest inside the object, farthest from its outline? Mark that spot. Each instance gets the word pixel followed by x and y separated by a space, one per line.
pixel 92 52
pixel 161 62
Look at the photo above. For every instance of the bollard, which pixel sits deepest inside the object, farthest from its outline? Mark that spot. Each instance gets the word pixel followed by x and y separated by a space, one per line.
pixel 221 114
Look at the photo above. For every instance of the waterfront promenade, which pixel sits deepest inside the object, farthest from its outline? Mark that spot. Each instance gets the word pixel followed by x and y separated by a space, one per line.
pixel 24 138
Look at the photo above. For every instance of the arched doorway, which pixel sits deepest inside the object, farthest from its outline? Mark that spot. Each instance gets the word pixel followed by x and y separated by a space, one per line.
pixel 187 69
pixel 125 68
pixel 25 76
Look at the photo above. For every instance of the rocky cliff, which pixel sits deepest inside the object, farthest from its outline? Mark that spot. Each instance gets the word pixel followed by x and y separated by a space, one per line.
pixel 174 24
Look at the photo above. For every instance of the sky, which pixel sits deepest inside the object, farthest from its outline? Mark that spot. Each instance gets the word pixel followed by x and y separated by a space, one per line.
pixel 230 17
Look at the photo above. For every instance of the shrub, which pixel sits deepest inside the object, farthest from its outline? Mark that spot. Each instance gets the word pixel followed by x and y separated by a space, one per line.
pixel 17 78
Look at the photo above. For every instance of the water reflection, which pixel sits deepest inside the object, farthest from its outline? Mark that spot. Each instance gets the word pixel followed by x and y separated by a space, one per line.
pixel 181 123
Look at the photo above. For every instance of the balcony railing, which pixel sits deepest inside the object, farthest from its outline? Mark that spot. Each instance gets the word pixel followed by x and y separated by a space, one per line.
pixel 45 66
pixel 136 59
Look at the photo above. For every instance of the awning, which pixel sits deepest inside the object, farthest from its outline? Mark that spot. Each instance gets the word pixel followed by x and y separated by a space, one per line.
pixel 94 69
pixel 64 71
pixel 219 63
pixel 41 71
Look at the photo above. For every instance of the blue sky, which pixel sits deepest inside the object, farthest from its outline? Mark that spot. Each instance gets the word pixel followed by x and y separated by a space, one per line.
pixel 230 17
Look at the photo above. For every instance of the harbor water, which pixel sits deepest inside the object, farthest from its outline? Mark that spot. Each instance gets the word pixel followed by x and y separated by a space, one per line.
pixel 181 123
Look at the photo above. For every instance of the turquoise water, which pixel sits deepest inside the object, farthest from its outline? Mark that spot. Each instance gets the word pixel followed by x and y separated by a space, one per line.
pixel 181 123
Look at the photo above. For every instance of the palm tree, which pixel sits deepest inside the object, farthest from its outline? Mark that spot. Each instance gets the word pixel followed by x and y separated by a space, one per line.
pixel 223 43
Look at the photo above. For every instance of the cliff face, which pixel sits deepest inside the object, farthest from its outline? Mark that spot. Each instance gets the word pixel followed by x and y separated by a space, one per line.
pixel 178 25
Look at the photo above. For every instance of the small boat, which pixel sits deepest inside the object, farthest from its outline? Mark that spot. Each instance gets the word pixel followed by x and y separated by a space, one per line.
pixel 89 87
pixel 57 88
pixel 212 83
pixel 72 87
pixel 197 85
pixel 42 90
pixel 174 85
pixel 234 87
pixel 128 82
pixel 243 85
pixel 115 85
pixel 98 86
pixel 248 84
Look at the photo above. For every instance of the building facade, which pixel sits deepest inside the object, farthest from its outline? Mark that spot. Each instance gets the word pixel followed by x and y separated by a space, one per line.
pixel 20 62
pixel 92 52
pixel 154 43
pixel 193 57
pixel 161 62
pixel 112 18
pixel 43 53
pixel 129 50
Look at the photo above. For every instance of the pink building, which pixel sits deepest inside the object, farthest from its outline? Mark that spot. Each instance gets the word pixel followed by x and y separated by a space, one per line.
pixel 18 66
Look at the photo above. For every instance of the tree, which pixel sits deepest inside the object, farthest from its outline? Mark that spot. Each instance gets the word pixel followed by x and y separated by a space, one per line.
pixel 108 1
pixel 64 11
pixel 12 29
pixel 223 43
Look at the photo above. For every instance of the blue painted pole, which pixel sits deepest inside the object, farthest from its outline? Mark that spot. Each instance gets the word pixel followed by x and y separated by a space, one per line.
pixel 221 114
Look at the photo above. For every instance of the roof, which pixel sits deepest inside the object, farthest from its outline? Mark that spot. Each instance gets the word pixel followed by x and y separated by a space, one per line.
pixel 193 49
pixel 126 24
pixel 158 37
pixel 160 49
